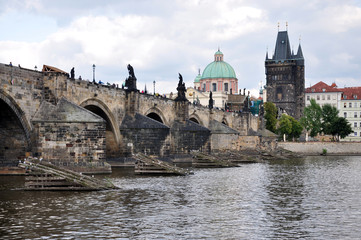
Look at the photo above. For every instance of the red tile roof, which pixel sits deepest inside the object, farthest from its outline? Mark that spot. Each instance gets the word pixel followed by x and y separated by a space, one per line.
pixel 349 93
pixel 322 87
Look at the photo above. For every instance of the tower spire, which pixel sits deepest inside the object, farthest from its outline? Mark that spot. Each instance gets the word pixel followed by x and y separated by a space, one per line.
pixel 286 26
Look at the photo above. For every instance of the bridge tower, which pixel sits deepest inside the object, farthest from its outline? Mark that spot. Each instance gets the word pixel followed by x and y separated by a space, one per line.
pixel 285 77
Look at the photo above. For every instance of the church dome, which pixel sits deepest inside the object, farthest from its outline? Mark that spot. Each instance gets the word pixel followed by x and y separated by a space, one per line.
pixel 218 68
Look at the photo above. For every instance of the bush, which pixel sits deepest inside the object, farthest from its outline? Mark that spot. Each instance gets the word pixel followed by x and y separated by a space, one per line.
pixel 324 151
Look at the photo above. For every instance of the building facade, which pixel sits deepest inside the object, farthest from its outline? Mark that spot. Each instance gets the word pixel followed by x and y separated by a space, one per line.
pixel 285 77
pixel 346 100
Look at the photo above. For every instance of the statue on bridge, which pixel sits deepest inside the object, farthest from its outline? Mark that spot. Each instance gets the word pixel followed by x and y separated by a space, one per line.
pixel 210 104
pixel 181 90
pixel 131 81
pixel 72 74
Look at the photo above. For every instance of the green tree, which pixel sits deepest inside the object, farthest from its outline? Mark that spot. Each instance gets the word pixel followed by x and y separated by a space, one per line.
pixel 329 116
pixel 270 116
pixel 341 128
pixel 284 125
pixel 290 127
pixel 311 119
pixel 296 129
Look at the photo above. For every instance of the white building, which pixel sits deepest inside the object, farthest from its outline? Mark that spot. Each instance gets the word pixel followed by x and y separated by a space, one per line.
pixel 346 100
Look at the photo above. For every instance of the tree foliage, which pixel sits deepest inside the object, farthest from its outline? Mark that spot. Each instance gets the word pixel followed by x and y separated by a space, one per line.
pixel 311 119
pixel 284 125
pixel 341 128
pixel 296 129
pixel 329 116
pixel 326 120
pixel 289 126
pixel 270 116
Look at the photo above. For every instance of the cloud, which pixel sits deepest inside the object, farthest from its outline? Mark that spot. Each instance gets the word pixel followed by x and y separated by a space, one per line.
pixel 161 38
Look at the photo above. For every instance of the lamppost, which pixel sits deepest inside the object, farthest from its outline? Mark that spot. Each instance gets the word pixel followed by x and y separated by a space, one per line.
pixel 154 87
pixel 93 72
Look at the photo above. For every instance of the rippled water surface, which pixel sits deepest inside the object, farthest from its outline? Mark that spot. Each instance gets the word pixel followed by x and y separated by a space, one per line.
pixel 313 198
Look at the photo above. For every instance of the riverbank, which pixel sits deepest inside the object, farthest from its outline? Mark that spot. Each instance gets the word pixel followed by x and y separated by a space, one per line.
pixel 317 148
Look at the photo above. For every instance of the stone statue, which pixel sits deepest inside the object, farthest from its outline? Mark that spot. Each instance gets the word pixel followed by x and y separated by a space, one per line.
pixel 72 74
pixel 131 81
pixel 181 90
pixel 210 105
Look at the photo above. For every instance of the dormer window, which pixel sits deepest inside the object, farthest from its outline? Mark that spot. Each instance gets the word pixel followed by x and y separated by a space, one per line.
pixel 323 90
pixel 344 97
pixel 355 96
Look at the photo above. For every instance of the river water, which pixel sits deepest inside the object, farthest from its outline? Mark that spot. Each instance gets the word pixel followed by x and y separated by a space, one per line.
pixel 311 198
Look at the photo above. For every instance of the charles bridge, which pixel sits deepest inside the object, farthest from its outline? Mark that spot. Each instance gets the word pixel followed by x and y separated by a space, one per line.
pixel 83 125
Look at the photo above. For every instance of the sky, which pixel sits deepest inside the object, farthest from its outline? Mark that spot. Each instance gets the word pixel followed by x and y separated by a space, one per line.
pixel 161 38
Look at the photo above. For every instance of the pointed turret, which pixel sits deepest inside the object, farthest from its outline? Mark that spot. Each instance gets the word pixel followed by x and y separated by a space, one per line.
pixel 299 57
pixel 267 55
pixel 299 52
pixel 283 49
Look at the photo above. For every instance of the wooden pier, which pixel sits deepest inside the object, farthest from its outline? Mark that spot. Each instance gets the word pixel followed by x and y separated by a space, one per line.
pixel 203 160
pixel 149 165
pixel 42 176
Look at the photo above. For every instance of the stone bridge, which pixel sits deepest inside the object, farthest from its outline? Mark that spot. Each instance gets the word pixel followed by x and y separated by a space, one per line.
pixel 81 125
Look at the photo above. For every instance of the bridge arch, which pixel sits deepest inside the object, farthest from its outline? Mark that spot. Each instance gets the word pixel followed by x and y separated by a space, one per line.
pixel 156 114
pixel 15 131
pixel 112 134
pixel 195 118
pixel 225 122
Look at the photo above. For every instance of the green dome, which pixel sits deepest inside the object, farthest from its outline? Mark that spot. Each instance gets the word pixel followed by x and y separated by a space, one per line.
pixel 197 78
pixel 218 69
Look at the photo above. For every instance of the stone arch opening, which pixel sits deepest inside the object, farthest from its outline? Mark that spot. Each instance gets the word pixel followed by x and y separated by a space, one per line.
pixel 14 133
pixel 155 116
pixel 194 120
pixel 111 134
pixel 224 121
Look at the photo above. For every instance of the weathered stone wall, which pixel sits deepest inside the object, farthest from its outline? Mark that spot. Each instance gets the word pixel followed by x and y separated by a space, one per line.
pixel 188 136
pixel 77 146
pixel 316 148
pixel 286 85
pixel 224 141
pixel 70 136
pixel 141 134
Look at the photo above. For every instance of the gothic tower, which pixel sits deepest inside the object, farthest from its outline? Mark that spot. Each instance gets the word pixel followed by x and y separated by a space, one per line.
pixel 285 76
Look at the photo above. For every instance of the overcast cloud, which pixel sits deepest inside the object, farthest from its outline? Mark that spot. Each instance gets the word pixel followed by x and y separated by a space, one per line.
pixel 161 38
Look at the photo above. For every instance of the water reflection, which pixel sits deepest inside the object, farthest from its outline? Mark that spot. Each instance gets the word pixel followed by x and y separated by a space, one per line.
pixel 285 195
pixel 315 198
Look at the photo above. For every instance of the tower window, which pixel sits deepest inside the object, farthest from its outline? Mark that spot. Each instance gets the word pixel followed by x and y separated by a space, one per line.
pixel 226 87
pixel 279 93
pixel 214 87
